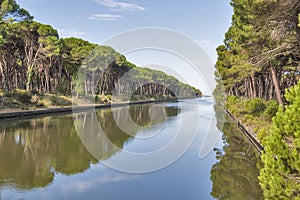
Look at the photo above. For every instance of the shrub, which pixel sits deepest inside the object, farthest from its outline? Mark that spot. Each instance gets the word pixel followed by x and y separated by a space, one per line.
pixel 8 94
pixel 22 95
pixel 232 100
pixel 248 117
pixel 96 99
pixel 59 101
pixel 279 177
pixel 133 98
pixel 262 134
pixel 256 105
pixel 40 105
pixel 100 99
pixel 109 96
pixel 271 108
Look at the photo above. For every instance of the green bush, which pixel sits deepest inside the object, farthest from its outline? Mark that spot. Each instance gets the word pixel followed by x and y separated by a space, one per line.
pixel 232 103
pixel 59 101
pixel 256 105
pixel 262 134
pixel 96 98
pixel 8 94
pixel 271 108
pixel 109 96
pixel 279 177
pixel 40 105
pixel 102 99
pixel 232 100
pixel 22 95
pixel 248 117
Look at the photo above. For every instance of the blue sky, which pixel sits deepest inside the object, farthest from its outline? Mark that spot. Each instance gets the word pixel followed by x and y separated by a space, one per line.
pixel 205 21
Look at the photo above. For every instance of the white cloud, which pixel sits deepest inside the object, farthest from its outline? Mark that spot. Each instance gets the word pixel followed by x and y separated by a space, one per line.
pixel 106 17
pixel 120 5
pixel 63 33
pixel 85 185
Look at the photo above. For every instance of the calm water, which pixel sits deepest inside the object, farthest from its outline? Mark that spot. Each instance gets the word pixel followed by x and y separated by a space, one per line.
pixel 64 157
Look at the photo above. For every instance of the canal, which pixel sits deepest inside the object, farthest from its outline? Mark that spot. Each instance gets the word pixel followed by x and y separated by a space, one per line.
pixel 173 150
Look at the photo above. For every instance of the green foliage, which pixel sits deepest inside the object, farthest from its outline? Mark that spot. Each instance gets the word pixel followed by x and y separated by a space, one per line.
pixel 262 134
pixel 197 92
pixel 258 122
pixel 249 117
pixel 59 101
pixel 263 35
pixel 233 103
pixel 73 52
pixel 22 95
pixel 271 108
pixel 162 80
pixel 36 60
pixel 256 105
pixel 46 30
pixel 279 176
pixel 55 148
pixel 103 99
pixel 11 11
pixel 231 100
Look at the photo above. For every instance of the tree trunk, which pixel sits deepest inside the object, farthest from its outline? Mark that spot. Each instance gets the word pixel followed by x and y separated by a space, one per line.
pixel 93 83
pixel 253 86
pixel 276 86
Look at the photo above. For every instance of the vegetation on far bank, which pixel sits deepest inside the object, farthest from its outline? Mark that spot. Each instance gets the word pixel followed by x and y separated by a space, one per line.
pixel 40 69
pixel 23 100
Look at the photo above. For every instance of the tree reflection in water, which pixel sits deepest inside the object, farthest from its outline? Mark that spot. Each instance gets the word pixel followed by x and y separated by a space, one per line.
pixel 235 175
pixel 34 150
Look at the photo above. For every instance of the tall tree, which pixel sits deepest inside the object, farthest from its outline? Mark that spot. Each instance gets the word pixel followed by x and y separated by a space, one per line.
pixel 260 54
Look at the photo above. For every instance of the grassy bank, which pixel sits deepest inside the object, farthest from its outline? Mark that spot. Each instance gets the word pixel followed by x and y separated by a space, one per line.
pixel 21 104
pixel 255 114
pixel 23 100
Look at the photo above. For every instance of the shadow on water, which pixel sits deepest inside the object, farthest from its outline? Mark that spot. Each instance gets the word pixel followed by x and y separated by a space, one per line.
pixel 235 175
pixel 33 151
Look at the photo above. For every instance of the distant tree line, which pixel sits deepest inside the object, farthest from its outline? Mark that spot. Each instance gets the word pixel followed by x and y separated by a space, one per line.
pixel 35 59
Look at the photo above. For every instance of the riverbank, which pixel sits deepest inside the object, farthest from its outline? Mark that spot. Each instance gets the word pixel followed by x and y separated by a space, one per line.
pixel 251 136
pixel 17 113
pixel 20 103
pixel 253 117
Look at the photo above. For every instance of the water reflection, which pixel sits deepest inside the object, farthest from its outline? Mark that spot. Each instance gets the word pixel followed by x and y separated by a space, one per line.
pixel 235 174
pixel 34 151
